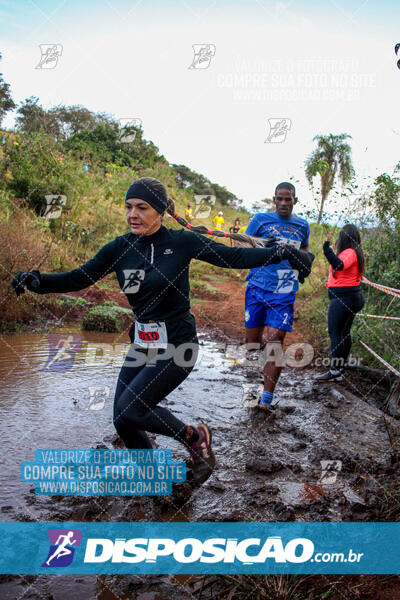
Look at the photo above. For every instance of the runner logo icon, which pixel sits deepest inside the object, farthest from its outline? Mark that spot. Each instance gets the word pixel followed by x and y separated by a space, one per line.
pixel 204 202
pixel 203 54
pixel 62 350
pixel 62 547
pixel 98 396
pixel 278 129
pixel 54 206
pixel 50 53
pixel 133 277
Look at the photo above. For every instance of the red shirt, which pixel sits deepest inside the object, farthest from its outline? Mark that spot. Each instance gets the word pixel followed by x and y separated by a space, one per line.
pixel 350 275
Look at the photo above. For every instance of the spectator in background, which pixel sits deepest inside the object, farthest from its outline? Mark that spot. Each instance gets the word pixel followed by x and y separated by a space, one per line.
pixel 189 213
pixel 234 229
pixel 345 295
pixel 218 220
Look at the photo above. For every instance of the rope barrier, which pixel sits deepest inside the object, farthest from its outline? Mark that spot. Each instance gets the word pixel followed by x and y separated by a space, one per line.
pixel 243 238
pixel 377 316
pixel 382 288
pixel 383 361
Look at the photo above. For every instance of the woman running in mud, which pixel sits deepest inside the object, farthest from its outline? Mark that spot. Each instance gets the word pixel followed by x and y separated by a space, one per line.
pixel 152 266
pixel 345 294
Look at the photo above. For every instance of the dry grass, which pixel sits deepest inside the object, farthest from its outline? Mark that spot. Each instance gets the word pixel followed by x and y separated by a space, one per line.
pixel 22 248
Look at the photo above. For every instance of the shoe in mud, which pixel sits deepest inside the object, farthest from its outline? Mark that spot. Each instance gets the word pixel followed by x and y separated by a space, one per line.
pixel 203 459
pixel 269 409
pixel 331 375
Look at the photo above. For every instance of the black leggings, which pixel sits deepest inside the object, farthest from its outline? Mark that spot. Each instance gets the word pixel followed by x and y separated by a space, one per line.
pixel 139 390
pixel 345 304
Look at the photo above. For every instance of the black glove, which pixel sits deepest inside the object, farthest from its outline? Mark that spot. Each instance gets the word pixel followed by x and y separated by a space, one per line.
pixel 29 279
pixel 299 260
pixel 275 253
pixel 269 242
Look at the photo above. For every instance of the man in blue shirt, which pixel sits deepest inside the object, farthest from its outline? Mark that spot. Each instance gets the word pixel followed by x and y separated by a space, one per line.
pixel 271 291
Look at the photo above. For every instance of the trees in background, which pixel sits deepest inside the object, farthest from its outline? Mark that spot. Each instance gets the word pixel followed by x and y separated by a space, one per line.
pixel 331 160
pixel 94 138
pixel 6 101
pixel 60 121
pixel 264 205
pixel 199 184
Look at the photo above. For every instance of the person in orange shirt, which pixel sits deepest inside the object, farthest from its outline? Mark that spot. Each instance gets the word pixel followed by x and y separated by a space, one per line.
pixel 345 295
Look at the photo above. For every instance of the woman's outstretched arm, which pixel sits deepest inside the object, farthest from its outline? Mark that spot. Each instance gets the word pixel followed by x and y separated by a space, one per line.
pixel 99 266
pixel 203 248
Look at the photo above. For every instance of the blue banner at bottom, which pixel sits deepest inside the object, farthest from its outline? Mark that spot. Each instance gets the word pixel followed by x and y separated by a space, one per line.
pixel 206 548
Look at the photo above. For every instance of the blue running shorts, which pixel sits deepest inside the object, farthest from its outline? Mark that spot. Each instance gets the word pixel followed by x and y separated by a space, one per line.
pixel 267 308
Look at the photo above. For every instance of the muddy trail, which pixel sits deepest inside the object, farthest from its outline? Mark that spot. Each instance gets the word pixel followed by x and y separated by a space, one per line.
pixel 322 456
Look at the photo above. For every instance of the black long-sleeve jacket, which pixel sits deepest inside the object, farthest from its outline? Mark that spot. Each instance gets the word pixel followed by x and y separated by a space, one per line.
pixel 153 270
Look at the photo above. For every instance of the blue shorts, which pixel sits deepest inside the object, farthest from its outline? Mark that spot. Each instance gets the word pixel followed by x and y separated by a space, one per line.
pixel 266 308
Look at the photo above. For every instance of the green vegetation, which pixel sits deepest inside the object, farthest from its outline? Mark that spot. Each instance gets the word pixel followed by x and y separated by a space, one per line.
pixel 44 157
pixel 198 184
pixel 108 316
pixel 65 301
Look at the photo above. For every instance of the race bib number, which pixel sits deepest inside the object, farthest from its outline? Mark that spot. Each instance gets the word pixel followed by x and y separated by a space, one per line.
pixel 294 243
pixel 151 335
pixel 286 280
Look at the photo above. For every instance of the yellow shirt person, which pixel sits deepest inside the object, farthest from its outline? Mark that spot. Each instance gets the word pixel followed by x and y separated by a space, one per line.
pixel 218 221
pixel 189 213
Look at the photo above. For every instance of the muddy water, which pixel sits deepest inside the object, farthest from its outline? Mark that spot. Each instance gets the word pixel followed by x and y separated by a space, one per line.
pixel 48 401
pixel 321 456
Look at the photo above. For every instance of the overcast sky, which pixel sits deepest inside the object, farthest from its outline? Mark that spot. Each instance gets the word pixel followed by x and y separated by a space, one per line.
pixel 325 67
